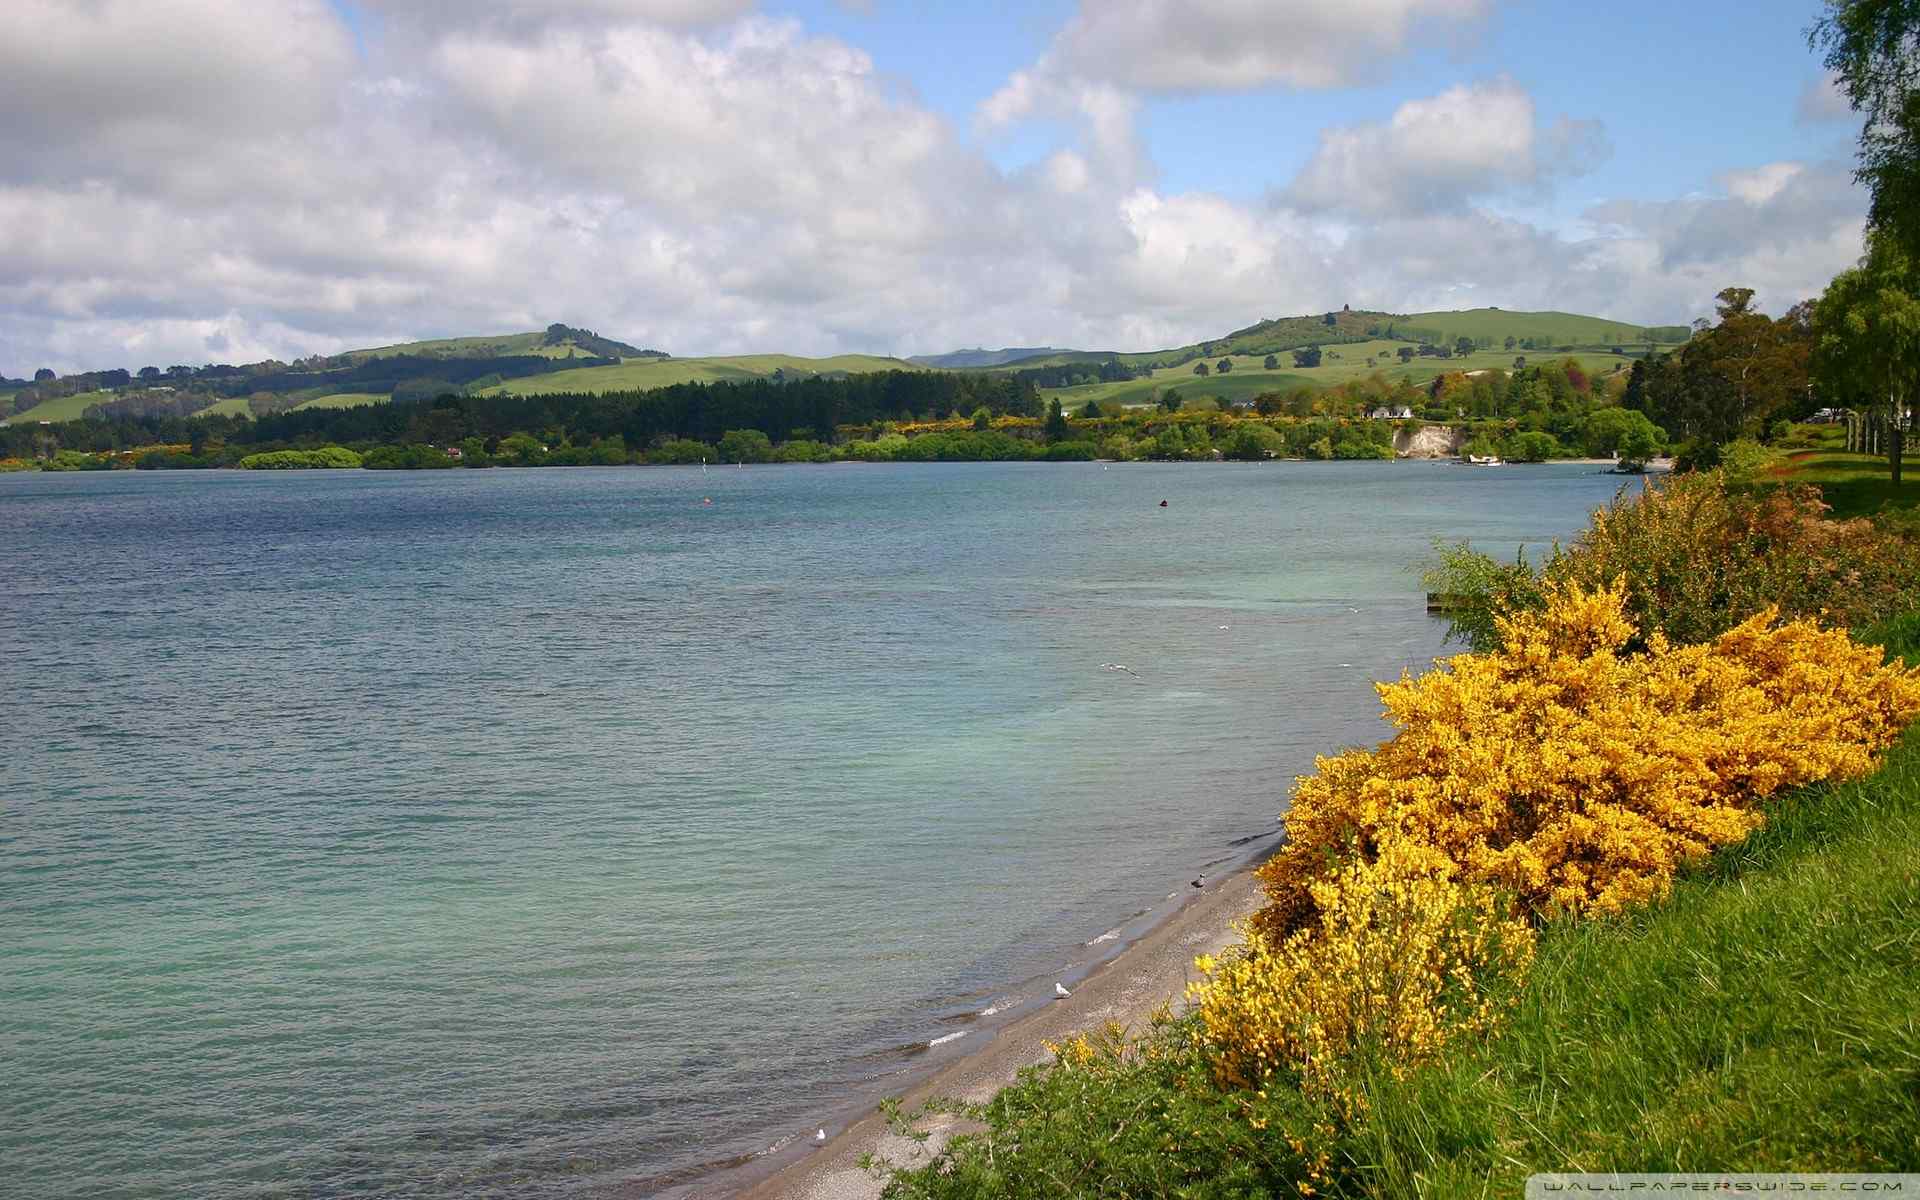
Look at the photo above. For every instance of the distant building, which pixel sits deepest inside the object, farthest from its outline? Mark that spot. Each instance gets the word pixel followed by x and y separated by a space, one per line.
pixel 453 452
pixel 1398 412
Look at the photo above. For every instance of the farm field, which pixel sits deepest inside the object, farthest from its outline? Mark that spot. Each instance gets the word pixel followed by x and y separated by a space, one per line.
pixel 232 406
pixel 1556 328
pixel 62 408
pixel 638 373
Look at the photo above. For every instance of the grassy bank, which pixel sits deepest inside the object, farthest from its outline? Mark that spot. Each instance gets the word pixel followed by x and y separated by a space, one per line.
pixel 1853 485
pixel 1760 1019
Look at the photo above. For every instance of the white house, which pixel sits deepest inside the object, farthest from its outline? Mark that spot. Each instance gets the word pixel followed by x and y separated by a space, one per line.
pixel 1398 412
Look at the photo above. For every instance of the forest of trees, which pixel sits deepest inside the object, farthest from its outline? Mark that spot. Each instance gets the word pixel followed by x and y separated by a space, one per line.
pixel 703 412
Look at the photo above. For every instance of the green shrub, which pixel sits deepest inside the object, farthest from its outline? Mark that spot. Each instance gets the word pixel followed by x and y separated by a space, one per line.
pixel 1699 556
pixel 803 450
pixel 680 452
pixel 325 458
pixel 1532 446
pixel 417 457
pixel 1070 452
pixel 745 446
pixel 1113 1116
pixel 1252 441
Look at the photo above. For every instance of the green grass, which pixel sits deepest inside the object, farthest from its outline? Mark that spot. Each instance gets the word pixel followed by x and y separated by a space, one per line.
pixel 1558 328
pixel 61 408
pixel 1761 1019
pixel 639 373
pixel 342 400
pixel 1852 485
pixel 232 406
pixel 495 346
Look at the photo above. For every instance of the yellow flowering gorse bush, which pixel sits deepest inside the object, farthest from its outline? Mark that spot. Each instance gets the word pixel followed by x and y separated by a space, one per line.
pixel 1562 773
pixel 1395 965
pixel 1581 777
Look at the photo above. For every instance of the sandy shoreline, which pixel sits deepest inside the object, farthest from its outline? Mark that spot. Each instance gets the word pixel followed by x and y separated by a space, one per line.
pixel 1153 970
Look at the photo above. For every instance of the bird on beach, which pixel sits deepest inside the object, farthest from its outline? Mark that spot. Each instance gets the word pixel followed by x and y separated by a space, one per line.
pixel 1120 667
pixel 1201 881
pixel 819 1135
pixel 1060 992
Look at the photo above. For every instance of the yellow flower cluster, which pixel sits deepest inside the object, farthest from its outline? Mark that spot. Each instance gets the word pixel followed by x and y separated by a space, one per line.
pixel 1580 777
pixel 1562 773
pixel 1393 968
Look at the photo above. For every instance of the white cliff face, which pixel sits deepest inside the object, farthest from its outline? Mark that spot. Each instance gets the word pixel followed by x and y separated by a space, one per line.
pixel 1429 441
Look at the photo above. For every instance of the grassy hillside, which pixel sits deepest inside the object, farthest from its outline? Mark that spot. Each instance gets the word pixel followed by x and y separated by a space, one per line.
pixel 639 373
pixel 1554 328
pixel 495 346
pixel 232 406
pixel 556 343
pixel 62 408
pixel 1338 364
pixel 341 400
pixel 1272 336
pixel 978 357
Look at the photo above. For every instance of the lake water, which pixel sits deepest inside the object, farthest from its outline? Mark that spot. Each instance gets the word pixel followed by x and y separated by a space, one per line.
pixel 551 833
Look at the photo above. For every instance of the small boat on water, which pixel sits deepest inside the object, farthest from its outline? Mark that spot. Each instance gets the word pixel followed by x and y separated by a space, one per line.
pixel 1483 460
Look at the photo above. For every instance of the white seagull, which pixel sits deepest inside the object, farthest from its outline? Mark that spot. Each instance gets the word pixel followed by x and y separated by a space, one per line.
pixel 819 1135
pixel 1060 993
pixel 1120 667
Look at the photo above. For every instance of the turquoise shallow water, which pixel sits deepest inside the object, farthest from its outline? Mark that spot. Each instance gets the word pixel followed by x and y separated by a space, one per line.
pixel 554 833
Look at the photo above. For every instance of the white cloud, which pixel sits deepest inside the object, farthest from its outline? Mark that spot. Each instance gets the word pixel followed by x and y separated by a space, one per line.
pixel 1757 185
pixel 444 15
pixel 1822 100
pixel 748 187
pixel 156 88
pixel 1437 153
pixel 1232 45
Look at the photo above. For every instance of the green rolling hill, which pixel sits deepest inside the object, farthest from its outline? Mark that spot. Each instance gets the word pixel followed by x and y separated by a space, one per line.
pixel 533 363
pixel 1547 329
pixel 637 374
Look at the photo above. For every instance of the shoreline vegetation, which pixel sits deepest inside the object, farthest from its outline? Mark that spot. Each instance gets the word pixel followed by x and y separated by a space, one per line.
pixel 1650 771
pixel 1691 402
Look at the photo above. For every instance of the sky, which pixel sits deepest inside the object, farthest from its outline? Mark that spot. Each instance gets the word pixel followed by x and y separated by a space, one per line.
pixel 195 181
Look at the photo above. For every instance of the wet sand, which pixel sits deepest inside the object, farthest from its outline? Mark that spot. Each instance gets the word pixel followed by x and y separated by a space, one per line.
pixel 1153 970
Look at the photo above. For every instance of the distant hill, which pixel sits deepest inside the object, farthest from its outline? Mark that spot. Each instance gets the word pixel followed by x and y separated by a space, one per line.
pixel 960 359
pixel 1548 330
pixel 1271 336
pixel 556 341
pixel 640 374
pixel 563 358
pixel 1488 327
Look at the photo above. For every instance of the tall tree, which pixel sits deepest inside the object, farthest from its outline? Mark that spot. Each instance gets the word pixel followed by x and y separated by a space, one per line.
pixel 1762 363
pixel 1056 427
pixel 1873 49
pixel 1867 339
